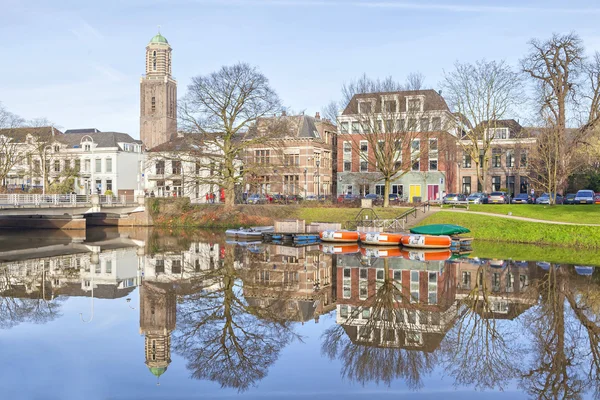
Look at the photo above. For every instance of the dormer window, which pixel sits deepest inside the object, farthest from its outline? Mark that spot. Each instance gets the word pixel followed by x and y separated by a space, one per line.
pixel 56 149
pixel 414 104
pixel 390 106
pixel 364 107
pixel 87 147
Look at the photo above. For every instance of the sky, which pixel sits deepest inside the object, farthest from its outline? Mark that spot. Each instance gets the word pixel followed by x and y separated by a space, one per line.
pixel 79 63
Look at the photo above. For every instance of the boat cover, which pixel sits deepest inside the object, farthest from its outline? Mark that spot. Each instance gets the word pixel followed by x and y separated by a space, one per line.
pixel 439 229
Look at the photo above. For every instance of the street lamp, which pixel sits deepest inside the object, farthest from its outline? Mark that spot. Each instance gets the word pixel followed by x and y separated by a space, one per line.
pixel 305 172
pixel 44 167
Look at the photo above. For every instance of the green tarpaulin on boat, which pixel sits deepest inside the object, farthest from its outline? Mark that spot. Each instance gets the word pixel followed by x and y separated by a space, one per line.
pixel 439 229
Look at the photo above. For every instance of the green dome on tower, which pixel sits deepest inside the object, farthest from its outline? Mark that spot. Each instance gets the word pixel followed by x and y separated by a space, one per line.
pixel 157 371
pixel 159 39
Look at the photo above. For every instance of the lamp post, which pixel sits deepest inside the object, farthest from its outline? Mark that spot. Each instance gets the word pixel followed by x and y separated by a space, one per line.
pixel 44 168
pixel 305 172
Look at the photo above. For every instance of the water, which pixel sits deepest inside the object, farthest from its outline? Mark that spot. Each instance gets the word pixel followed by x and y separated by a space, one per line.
pixel 149 314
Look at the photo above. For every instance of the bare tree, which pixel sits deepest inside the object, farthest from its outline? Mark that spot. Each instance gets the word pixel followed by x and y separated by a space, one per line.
pixel 481 94
pixel 11 150
pixel 219 111
pixel 568 94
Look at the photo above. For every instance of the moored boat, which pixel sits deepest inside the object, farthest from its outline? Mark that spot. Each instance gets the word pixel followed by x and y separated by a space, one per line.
pixel 439 229
pixel 381 238
pixel 253 232
pixel 427 241
pixel 339 236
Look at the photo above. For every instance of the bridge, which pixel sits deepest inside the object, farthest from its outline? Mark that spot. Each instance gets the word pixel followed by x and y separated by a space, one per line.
pixel 70 211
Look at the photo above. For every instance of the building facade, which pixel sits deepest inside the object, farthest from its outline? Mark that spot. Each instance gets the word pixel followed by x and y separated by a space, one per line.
pixel 158 95
pixel 419 126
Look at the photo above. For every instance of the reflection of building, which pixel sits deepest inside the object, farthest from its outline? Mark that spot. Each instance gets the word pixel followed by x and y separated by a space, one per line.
pixel 506 284
pixel 292 281
pixel 157 320
pixel 412 307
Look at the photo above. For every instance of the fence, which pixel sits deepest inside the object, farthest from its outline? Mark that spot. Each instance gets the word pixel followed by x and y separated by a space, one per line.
pixel 61 200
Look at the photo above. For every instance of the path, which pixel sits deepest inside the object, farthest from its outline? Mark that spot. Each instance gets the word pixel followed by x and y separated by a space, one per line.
pixel 413 221
pixel 541 221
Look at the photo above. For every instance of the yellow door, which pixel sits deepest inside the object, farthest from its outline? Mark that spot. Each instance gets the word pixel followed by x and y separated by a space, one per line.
pixel 414 190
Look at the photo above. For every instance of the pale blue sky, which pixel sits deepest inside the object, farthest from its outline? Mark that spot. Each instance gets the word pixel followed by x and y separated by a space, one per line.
pixel 78 63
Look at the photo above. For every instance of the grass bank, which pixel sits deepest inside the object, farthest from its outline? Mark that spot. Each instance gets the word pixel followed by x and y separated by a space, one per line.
pixel 514 231
pixel 528 252
pixel 583 214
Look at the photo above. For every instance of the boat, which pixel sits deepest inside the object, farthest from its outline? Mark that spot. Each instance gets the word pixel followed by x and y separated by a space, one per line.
pixel 380 238
pixel 380 252
pixel 439 229
pixel 342 248
pixel 427 241
pixel 584 270
pixel 426 255
pixel 339 236
pixel 253 232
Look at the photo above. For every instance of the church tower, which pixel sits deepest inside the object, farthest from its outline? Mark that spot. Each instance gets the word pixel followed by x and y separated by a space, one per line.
pixel 158 95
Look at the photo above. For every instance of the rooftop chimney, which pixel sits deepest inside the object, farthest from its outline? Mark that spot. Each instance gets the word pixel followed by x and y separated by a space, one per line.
pixel 317 115
pixel 440 92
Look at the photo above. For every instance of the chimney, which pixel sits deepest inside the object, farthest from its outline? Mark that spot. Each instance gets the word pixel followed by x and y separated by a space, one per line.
pixel 440 92
pixel 317 116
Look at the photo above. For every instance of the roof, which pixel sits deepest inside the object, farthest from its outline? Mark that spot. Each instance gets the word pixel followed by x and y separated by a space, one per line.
pixel 433 100
pixel 20 134
pixel 158 38
pixel 296 126
pixel 157 371
pixel 102 139
pixel 85 130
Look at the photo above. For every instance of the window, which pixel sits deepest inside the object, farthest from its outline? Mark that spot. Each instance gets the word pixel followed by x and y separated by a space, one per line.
pixel 87 165
pixel 424 124
pixel 347 166
pixel 109 165
pixel 389 106
pixel 433 146
pixel 109 184
pixel 466 279
pixel 291 159
pixel 98 165
pixel 415 146
pixel 389 126
pixel 344 127
pixel 366 126
pixel 77 165
pixel 176 167
pixel 176 267
pixel 347 147
pixel 416 165
pixel 412 125
pixel 86 147
pixel 414 286
pixel 57 166
pixel 355 127
pixel 436 123
pixel 466 160
pixel 413 104
pixel 159 268
pixel 381 146
pixel 496 155
pixel 523 162
pixel 500 133
pixel 495 183
pixel 262 157
pixel 364 146
pixel 348 189
pixel 153 103
pixel 364 107
pixel 466 184
pixel 400 125
pixel 108 269
pixel 160 167
pixel 364 166
pixel 510 158
pixel 398 189
pixel 433 165
pixel 291 184
pixel 432 288
pixel 56 148
pixel 510 185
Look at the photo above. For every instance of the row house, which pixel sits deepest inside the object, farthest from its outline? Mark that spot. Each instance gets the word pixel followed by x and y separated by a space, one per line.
pixel 507 160
pixel 298 161
pixel 419 126
pixel 97 162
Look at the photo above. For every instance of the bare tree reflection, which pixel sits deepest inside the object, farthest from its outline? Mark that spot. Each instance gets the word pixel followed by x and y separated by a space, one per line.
pixel 219 333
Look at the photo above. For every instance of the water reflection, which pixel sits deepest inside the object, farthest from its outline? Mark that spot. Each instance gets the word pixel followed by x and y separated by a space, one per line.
pixel 227 311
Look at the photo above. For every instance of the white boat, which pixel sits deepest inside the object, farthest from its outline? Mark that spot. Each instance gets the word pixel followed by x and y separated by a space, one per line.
pixel 253 232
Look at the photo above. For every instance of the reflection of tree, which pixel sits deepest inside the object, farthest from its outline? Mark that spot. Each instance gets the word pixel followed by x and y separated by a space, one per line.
pixel 479 350
pixel 565 337
pixel 219 333
pixel 382 347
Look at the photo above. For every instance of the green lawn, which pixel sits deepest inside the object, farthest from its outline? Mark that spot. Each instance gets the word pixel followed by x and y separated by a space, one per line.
pixel 585 214
pixel 528 252
pixel 514 231
pixel 332 214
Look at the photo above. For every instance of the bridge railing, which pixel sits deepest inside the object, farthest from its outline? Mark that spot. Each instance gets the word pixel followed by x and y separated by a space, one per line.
pixel 14 199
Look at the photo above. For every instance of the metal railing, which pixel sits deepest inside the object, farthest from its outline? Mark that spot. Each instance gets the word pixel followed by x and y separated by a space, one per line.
pixel 60 200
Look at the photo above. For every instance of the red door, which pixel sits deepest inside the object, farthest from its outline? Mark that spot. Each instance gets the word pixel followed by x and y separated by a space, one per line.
pixel 432 192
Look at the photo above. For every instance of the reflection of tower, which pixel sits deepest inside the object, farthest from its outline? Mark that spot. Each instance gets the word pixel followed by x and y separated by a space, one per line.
pixel 157 321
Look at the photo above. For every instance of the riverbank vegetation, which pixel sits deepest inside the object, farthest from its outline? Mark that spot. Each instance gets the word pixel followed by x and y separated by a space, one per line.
pixel 580 214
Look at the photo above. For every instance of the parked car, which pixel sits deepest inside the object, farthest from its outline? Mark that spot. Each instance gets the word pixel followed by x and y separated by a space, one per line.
pixel 452 197
pixel 569 198
pixel 597 198
pixel 522 198
pixel 498 198
pixel 347 198
pixel 584 197
pixel 373 196
pixel 545 198
pixel 478 198
pixel 394 198
pixel 256 199
pixel 311 197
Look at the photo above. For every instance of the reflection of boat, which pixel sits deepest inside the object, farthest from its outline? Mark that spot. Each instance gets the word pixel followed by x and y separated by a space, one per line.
pixel 497 263
pixel 426 255
pixel 439 229
pixel 521 264
pixel 584 270
pixel 341 248
pixel 380 252
pixel 543 265
pixel 380 238
pixel 427 241
pixel 242 242
pixel 254 232
pixel 339 236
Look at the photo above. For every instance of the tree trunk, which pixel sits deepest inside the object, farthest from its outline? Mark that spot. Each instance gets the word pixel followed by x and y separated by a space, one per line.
pixel 386 192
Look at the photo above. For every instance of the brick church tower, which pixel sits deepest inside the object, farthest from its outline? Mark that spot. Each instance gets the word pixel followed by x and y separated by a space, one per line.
pixel 158 95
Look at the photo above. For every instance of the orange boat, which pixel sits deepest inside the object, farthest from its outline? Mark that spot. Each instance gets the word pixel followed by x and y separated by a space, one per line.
pixel 339 236
pixel 426 255
pixel 379 252
pixel 427 241
pixel 347 248
pixel 381 238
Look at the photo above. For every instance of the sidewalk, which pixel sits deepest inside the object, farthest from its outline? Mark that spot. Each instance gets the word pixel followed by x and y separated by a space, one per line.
pixel 541 221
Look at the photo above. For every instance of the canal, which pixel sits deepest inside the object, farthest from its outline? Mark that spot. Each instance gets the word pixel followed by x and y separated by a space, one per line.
pixel 128 314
